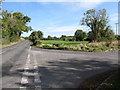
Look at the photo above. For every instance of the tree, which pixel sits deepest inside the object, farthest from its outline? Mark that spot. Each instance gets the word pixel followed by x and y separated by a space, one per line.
pixel 97 21
pixel 117 37
pixel 49 37
pixel 90 36
pixel 55 38
pixel 80 35
pixel 36 36
pixel 33 36
pixel 63 37
pixel 40 34
pixel 107 35
pixel 13 25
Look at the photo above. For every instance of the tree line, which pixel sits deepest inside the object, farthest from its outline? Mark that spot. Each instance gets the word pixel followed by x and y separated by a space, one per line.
pixel 97 21
pixel 13 25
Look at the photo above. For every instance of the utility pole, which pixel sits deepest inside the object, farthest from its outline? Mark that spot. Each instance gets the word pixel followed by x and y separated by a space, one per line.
pixel 116 27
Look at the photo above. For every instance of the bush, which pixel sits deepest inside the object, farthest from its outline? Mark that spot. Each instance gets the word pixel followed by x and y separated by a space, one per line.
pixel 63 48
pixel 47 46
pixel 108 43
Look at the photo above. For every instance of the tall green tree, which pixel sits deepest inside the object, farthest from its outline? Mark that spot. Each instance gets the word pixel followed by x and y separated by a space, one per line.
pixel 33 36
pixel 90 36
pixel 80 35
pixel 49 37
pixel 97 21
pixel 36 36
pixel 40 34
pixel 63 37
pixel 13 25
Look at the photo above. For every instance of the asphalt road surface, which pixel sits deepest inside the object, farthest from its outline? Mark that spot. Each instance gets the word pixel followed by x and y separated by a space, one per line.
pixel 24 66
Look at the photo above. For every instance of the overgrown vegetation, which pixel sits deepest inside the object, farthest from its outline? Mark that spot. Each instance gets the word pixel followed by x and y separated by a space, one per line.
pixel 97 82
pixel 112 82
pixel 77 45
pixel 97 21
pixel 100 38
pixel 80 35
pixel 35 37
pixel 13 25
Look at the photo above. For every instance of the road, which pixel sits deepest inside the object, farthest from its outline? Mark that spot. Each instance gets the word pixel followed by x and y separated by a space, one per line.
pixel 24 66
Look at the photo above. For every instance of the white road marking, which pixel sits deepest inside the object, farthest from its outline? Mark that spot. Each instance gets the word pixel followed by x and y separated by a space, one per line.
pixel 2 52
pixel 37 80
pixel 24 79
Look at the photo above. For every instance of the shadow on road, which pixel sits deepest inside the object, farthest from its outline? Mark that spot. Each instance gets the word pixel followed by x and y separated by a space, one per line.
pixel 65 73
pixel 69 73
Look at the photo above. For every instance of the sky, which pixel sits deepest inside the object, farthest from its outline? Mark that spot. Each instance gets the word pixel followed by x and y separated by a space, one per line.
pixel 60 18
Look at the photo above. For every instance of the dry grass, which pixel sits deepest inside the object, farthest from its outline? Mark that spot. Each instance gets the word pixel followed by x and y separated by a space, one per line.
pixel 114 43
pixel 12 43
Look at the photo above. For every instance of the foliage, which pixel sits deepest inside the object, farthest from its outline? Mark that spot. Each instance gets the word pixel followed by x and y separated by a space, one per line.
pixel 50 38
pixel 90 36
pixel 63 37
pixel 80 35
pixel 13 25
pixel 117 37
pixel 36 36
pixel 75 45
pixel 97 21
pixel 47 46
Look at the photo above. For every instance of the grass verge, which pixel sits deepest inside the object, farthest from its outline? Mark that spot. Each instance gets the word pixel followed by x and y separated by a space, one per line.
pixel 12 43
pixel 76 45
pixel 96 81
pixel 112 82
pixel 83 47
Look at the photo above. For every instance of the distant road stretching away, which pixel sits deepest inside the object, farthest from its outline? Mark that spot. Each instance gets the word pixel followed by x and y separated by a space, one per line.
pixel 24 66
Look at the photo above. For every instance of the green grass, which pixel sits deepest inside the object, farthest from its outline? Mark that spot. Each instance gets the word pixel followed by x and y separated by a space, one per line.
pixel 63 42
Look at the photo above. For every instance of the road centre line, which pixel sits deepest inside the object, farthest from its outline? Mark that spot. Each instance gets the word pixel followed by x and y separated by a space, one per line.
pixel 37 80
pixel 24 79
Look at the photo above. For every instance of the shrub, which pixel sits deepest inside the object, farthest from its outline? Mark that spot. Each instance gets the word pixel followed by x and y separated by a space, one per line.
pixel 47 46
pixel 63 48
pixel 108 43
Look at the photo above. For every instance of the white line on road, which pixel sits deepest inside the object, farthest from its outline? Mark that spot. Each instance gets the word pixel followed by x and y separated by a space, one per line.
pixel 24 79
pixel 3 52
pixel 37 80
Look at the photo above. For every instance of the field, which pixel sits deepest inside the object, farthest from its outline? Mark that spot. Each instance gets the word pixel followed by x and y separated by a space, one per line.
pixel 63 42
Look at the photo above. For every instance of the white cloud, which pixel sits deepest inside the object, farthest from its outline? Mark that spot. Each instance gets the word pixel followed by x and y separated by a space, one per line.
pixel 114 17
pixel 54 23
pixel 64 29
pixel 83 5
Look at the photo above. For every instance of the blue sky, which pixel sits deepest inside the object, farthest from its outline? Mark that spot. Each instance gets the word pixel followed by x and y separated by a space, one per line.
pixel 60 18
